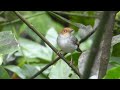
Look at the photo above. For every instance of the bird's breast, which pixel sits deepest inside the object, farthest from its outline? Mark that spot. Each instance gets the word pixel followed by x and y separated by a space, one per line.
pixel 66 44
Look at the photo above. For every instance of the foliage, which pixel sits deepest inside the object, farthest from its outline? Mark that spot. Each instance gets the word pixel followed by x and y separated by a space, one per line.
pixel 23 53
pixel 3 73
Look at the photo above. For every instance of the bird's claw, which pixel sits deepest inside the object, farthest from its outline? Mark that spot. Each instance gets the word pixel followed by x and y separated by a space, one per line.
pixel 59 52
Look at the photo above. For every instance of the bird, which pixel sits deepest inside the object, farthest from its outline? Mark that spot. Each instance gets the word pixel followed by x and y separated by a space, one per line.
pixel 67 42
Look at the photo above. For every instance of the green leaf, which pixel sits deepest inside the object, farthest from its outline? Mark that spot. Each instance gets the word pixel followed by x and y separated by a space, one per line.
pixel 84 30
pixel 113 73
pixel 75 57
pixel 42 65
pixel 8 43
pixel 16 70
pixel 2 19
pixel 115 40
pixel 42 23
pixel 62 71
pixel 10 16
pixel 33 50
pixel 29 70
pixel 41 76
pixel 26 71
pixel 86 45
pixel 51 36
pixel 115 60
pixel 1 59
pixel 117 16
pixel 83 19
pixel 31 60
pixel 3 73
pixel 116 50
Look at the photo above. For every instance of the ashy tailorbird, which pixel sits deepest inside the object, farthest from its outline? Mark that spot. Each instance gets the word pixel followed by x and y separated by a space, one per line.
pixel 67 41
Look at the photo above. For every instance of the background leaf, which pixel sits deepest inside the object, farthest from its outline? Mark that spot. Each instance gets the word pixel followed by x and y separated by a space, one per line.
pixel 3 73
pixel 32 49
pixel 16 70
pixel 8 43
pixel 42 23
pixel 75 57
pixel 116 50
pixel 1 59
pixel 115 60
pixel 113 73
pixel 51 36
pixel 27 71
pixel 115 40
pixel 81 64
pixel 62 71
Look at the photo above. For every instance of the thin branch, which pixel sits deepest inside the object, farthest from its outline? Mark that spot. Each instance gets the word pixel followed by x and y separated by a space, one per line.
pixel 85 38
pixel 106 45
pixel 46 41
pixel 27 17
pixel 96 44
pixel 47 66
pixel 64 19
pixel 75 14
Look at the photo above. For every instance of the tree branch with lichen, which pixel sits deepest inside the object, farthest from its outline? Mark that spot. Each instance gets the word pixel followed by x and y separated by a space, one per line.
pixel 106 45
pixel 96 44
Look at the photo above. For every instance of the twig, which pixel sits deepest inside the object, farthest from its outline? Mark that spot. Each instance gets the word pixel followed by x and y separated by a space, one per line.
pixel 47 66
pixel 96 44
pixel 46 41
pixel 106 45
pixel 64 19
pixel 74 24
pixel 17 20
pixel 85 38
pixel 75 14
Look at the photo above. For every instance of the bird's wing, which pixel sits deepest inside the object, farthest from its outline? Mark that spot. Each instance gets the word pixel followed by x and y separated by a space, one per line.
pixel 74 40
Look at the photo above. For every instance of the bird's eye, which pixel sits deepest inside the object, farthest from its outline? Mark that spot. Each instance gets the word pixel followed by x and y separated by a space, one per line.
pixel 65 30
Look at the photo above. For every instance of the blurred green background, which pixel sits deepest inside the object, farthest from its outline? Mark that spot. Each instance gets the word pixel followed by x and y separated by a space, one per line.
pixel 23 53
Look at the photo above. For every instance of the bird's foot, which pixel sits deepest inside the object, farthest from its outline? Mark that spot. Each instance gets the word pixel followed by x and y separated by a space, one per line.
pixel 59 52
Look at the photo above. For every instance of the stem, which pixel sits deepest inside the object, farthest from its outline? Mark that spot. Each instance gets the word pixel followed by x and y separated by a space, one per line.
pixel 75 14
pixel 96 44
pixel 47 66
pixel 17 20
pixel 106 45
pixel 64 19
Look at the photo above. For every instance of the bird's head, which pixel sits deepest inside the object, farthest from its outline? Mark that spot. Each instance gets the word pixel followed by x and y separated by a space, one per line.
pixel 66 31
